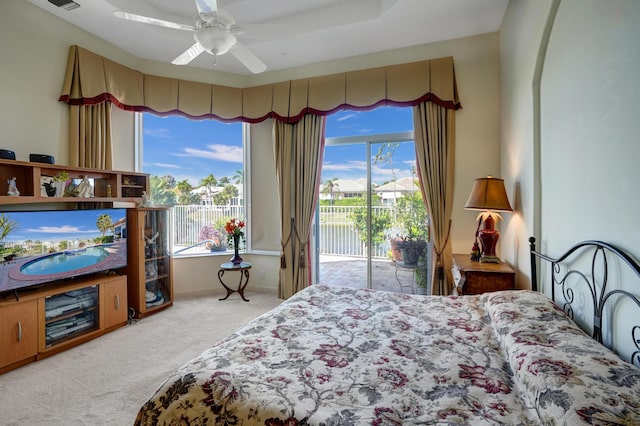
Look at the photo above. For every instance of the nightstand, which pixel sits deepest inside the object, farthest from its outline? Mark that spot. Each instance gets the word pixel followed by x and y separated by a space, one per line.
pixel 476 278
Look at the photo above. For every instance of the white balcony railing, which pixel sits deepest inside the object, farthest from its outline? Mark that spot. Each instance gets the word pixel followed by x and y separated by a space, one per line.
pixel 338 234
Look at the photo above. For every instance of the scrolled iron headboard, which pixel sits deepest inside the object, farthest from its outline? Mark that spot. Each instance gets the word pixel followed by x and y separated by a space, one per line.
pixel 596 282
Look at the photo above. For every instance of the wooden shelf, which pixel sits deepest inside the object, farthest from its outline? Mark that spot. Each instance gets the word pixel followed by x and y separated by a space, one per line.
pixel 109 186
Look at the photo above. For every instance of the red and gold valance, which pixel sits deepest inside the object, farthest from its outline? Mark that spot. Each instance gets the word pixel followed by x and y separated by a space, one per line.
pixel 92 79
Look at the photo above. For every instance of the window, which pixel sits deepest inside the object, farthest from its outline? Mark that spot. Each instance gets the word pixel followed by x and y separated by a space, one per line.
pixel 198 167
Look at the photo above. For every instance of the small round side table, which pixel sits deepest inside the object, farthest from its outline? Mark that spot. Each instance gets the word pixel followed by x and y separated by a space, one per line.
pixel 243 268
pixel 401 266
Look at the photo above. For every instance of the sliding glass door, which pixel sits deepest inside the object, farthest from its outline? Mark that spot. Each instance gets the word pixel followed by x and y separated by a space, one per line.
pixel 364 180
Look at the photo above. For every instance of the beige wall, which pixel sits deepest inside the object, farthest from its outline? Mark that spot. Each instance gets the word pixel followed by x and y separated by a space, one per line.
pixel 583 185
pixel 520 44
pixel 33 121
pixel 589 125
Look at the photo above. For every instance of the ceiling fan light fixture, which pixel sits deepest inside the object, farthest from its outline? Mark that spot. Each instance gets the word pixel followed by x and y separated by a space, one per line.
pixel 215 40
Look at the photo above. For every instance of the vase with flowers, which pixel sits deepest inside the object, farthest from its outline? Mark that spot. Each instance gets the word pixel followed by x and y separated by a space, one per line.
pixel 235 236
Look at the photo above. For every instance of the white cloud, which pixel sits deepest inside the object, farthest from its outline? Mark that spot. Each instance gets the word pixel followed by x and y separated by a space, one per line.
pixel 160 133
pixel 345 117
pixel 66 229
pixel 345 167
pixel 165 165
pixel 230 154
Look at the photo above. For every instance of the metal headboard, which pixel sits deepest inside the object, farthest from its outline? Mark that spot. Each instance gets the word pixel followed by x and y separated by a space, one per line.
pixel 596 282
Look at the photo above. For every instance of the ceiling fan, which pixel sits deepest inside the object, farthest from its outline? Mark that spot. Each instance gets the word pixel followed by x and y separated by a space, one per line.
pixel 215 32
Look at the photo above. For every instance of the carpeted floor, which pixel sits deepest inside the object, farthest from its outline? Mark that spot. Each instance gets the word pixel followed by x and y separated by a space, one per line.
pixel 105 381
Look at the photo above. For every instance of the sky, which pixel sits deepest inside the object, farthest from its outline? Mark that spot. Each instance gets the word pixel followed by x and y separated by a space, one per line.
pixel 58 225
pixel 193 149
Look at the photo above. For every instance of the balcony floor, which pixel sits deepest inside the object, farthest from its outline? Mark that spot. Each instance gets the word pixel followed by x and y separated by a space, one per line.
pixel 352 272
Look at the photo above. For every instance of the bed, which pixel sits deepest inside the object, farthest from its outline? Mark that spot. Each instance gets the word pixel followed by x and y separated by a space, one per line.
pixel 342 356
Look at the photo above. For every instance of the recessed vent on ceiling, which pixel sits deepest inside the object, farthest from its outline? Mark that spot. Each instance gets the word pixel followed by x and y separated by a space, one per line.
pixel 65 4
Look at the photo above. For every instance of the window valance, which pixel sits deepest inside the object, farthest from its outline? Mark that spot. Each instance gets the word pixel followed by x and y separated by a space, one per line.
pixel 92 79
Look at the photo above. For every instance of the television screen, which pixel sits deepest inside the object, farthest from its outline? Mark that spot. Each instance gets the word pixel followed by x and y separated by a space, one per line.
pixel 38 247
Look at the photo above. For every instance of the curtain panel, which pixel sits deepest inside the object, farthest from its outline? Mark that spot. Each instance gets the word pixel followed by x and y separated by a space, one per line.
pixel 434 139
pixel 92 79
pixel 90 136
pixel 298 150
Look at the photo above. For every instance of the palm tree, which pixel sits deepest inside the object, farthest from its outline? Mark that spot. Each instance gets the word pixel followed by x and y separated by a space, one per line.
pixel 160 191
pixel 186 196
pixel 104 223
pixel 6 227
pixel 223 198
pixel 184 186
pixel 238 177
pixel 209 183
pixel 224 181
pixel 329 187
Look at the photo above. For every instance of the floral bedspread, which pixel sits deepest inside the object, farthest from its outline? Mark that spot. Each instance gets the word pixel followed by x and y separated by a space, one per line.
pixel 339 356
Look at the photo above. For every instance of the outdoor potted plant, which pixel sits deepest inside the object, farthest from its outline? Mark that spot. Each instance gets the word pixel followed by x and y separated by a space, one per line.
pixel 396 243
pixel 214 240
pixel 412 250
pixel 412 216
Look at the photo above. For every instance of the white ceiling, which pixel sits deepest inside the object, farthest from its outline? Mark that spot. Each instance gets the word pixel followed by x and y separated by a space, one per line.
pixel 326 29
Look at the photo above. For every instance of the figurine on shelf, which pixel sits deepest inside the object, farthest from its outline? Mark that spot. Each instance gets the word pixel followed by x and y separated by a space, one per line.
pixel 48 189
pixel 145 200
pixel 151 240
pixel 13 188
pixel 85 190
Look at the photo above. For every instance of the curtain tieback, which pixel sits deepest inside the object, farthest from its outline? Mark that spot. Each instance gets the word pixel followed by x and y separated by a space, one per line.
pixel 439 267
pixel 303 250
pixel 283 259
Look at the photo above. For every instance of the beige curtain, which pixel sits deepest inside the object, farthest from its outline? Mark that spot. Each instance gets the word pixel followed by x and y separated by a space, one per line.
pixel 434 136
pixel 298 152
pixel 90 136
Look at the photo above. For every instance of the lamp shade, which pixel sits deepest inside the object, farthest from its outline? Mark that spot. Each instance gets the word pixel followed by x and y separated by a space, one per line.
pixel 488 194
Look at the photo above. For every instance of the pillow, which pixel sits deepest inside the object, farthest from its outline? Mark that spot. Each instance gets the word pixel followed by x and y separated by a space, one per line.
pixel 568 377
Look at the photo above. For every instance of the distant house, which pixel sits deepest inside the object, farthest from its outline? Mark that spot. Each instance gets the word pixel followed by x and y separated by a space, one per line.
pixel 207 197
pixel 345 188
pixel 391 191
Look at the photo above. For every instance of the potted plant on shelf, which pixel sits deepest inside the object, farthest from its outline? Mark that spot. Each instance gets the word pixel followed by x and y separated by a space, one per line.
pixel 60 182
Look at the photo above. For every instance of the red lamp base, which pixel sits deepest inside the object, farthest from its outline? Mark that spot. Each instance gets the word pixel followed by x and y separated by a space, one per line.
pixel 488 240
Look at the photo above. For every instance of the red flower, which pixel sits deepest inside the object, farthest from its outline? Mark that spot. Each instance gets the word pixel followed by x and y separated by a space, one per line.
pixel 234 228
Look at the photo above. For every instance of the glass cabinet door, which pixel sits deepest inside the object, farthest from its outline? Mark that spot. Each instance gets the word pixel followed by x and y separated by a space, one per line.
pixel 149 277
pixel 156 258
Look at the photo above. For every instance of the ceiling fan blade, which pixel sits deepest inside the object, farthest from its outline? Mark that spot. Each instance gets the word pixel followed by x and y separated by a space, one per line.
pixel 152 21
pixel 248 59
pixel 188 55
pixel 206 6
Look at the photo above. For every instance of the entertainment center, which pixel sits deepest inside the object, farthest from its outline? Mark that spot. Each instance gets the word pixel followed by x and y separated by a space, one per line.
pixel 42 310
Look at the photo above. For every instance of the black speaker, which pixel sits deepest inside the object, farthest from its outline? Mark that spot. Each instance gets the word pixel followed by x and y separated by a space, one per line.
pixel 41 158
pixel 5 154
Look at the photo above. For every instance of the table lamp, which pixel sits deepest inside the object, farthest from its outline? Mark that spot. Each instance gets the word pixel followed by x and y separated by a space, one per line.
pixel 488 194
